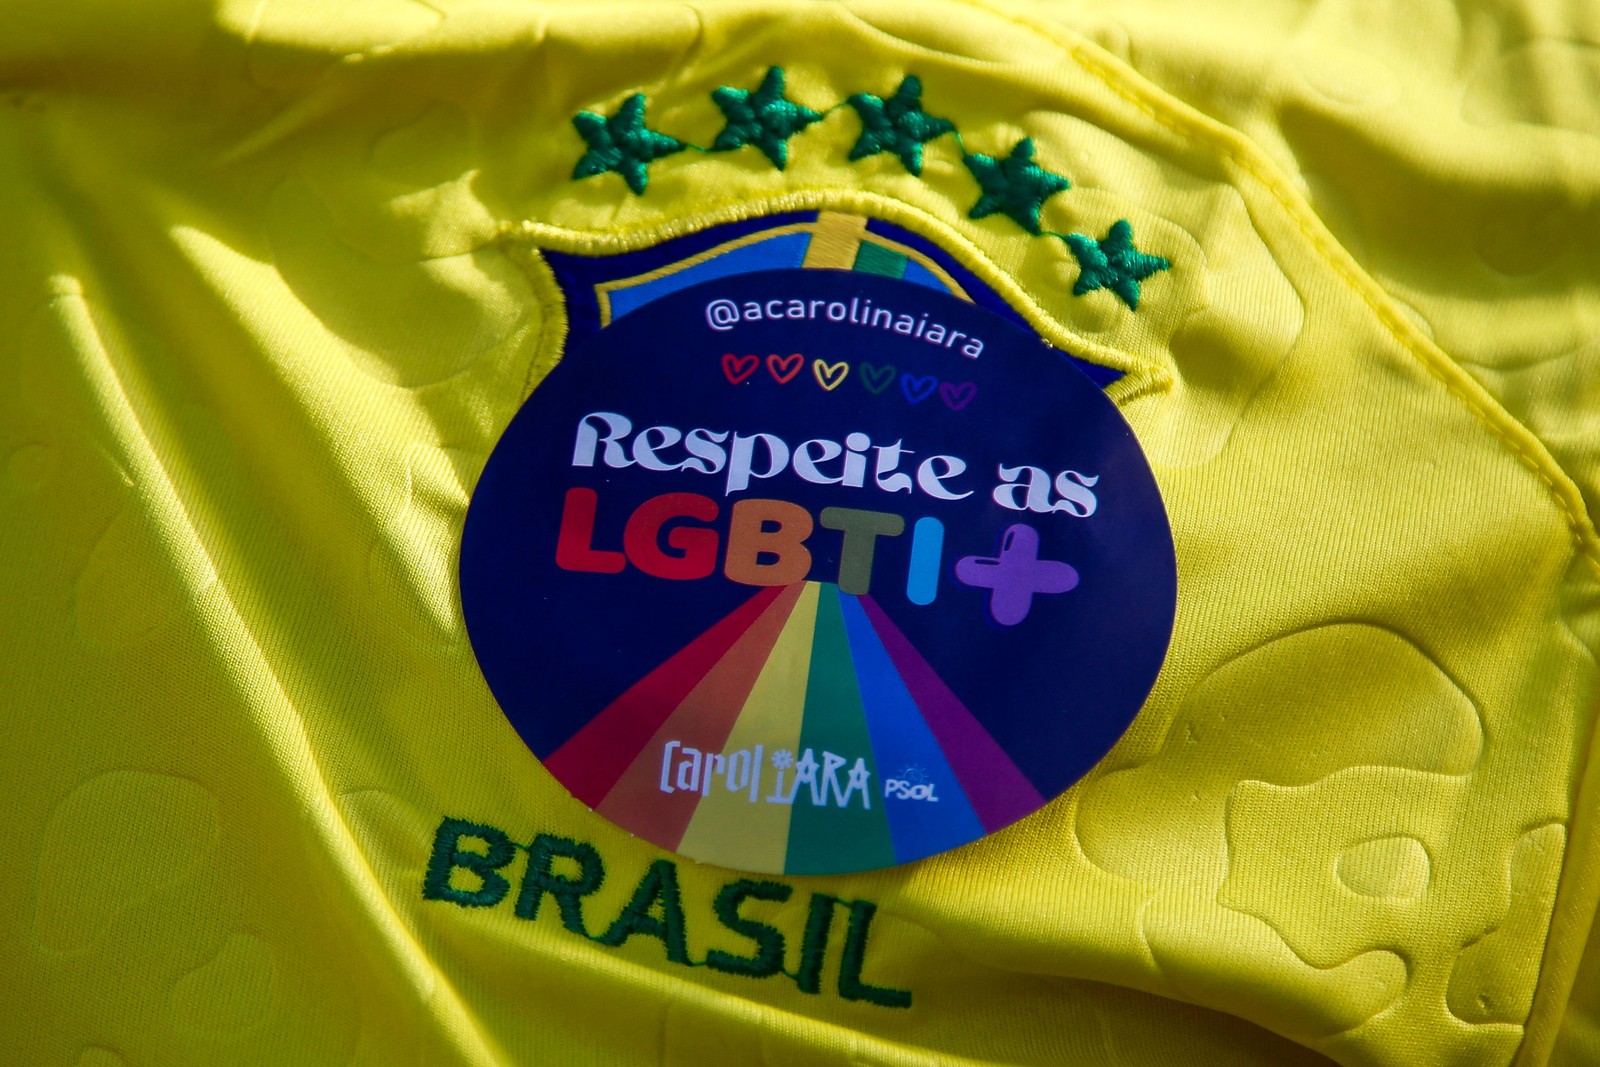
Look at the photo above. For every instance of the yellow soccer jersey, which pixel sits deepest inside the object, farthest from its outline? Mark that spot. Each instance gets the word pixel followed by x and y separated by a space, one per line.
pixel 280 276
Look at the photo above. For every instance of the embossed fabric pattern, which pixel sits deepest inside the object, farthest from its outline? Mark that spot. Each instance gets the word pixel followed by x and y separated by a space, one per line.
pixel 278 274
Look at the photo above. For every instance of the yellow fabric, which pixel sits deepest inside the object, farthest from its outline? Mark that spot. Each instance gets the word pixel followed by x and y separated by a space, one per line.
pixel 272 287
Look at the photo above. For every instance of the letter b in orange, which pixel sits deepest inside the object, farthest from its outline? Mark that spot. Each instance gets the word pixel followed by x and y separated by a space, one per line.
pixel 766 543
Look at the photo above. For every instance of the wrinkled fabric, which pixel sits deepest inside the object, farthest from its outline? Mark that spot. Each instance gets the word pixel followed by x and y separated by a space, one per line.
pixel 273 287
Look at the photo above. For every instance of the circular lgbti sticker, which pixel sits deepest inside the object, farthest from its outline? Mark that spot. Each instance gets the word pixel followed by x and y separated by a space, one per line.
pixel 813 571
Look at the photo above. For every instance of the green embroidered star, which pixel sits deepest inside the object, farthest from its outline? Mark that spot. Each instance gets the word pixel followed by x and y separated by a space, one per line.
pixel 897 125
pixel 762 118
pixel 1015 186
pixel 1113 263
pixel 622 143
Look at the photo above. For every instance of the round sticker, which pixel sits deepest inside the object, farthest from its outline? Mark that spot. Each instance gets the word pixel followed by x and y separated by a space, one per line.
pixel 809 572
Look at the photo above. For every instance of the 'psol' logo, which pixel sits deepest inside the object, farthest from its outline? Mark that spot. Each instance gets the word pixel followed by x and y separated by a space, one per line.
pixel 913 784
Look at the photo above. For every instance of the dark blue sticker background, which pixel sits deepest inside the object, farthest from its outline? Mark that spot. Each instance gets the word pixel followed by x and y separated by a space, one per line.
pixel 1055 691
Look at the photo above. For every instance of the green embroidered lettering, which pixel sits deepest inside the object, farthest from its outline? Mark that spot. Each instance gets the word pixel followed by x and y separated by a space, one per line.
pixel 768 959
pixel 851 987
pixel 658 886
pixel 542 878
pixel 814 943
pixel 448 856
pixel 570 870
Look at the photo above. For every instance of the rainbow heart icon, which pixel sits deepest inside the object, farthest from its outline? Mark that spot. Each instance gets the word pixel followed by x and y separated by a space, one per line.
pixel 918 389
pixel 737 368
pixel 830 375
pixel 955 396
pixel 784 368
pixel 877 379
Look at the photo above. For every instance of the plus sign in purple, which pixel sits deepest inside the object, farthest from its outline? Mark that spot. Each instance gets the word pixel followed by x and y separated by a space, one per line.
pixel 1016 575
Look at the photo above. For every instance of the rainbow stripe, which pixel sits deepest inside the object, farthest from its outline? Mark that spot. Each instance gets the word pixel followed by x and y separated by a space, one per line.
pixel 771 741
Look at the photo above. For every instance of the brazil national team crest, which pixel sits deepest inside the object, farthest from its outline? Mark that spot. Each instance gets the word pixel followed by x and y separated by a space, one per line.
pixel 809 557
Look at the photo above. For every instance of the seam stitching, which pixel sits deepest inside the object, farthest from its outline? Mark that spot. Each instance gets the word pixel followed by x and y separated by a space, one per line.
pixel 1143 373
pixel 1584 538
